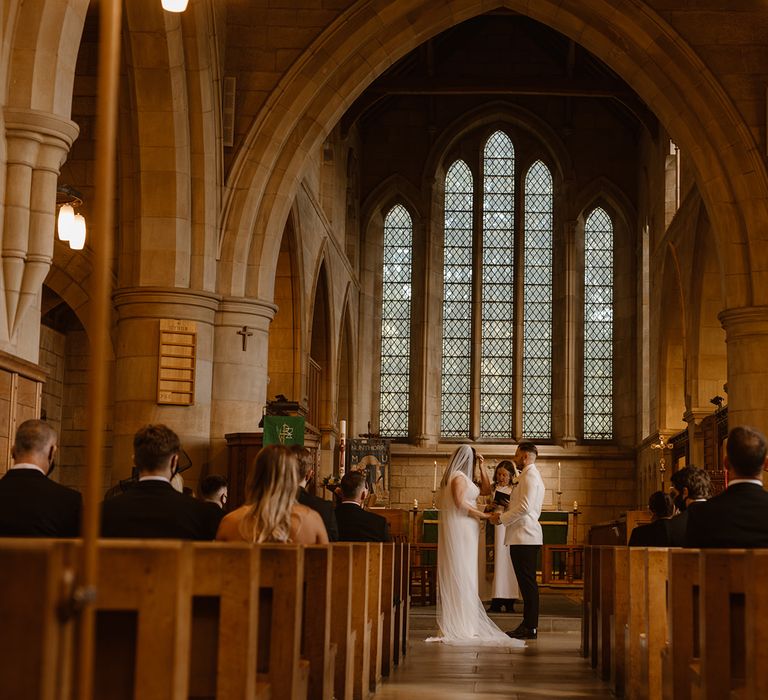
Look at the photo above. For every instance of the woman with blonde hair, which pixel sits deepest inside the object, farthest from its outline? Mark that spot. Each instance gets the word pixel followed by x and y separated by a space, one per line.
pixel 271 512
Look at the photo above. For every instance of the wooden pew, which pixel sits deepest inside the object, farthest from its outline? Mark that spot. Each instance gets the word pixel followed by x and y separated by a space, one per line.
pixel 388 598
pixel 405 606
pixel 586 605
pixel 723 625
pixel 620 619
pixel 35 580
pixel 399 603
pixel 143 620
pixel 375 614
pixel 756 575
pixel 343 634
pixel 281 583
pixel 361 622
pixel 317 647
pixel 225 605
pixel 605 611
pixel 682 651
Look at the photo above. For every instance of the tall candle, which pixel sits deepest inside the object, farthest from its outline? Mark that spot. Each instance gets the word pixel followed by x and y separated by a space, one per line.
pixel 559 489
pixel 434 478
pixel 342 456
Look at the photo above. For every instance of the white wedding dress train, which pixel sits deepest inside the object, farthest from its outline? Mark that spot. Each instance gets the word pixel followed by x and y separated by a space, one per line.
pixel 461 616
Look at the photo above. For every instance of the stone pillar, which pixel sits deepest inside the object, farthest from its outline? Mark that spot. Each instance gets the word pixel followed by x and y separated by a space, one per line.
pixel 139 311
pixel 240 378
pixel 746 337
pixel 36 145
pixel 695 437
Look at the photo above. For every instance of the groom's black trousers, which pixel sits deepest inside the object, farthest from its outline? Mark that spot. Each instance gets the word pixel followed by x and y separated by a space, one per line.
pixel 524 558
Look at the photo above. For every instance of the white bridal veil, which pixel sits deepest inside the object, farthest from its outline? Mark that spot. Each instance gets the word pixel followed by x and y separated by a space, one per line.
pixel 460 612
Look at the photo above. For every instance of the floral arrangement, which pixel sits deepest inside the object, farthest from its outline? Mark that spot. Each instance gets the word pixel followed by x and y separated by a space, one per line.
pixel 331 482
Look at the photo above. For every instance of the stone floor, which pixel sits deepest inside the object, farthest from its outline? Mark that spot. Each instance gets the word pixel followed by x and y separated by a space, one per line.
pixel 550 667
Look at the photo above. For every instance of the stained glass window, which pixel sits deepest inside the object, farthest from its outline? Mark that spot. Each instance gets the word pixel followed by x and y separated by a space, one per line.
pixel 497 361
pixel 457 302
pixel 396 323
pixel 537 304
pixel 598 326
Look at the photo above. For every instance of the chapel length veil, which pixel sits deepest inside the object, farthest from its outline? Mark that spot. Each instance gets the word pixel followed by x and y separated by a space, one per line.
pixel 461 616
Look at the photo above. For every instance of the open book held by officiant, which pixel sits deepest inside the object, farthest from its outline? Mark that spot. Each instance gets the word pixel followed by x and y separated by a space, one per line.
pixel 501 498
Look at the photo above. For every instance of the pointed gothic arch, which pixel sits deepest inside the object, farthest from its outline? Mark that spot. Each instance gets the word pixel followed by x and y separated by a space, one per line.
pixel 677 86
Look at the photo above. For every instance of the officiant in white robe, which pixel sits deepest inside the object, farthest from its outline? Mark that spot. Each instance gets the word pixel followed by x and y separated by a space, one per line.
pixel 504 588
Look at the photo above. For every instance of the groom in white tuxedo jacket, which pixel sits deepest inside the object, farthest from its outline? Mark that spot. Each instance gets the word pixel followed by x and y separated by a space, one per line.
pixel 524 535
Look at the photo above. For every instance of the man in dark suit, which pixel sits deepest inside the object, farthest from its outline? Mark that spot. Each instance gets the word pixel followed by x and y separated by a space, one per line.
pixel 738 517
pixel 152 508
pixel 323 508
pixel 690 486
pixel 355 523
pixel 655 534
pixel 31 504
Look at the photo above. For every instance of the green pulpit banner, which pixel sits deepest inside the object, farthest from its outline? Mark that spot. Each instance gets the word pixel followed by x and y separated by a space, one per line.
pixel 283 430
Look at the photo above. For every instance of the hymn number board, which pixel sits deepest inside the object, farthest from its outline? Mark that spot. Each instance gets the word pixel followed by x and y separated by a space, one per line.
pixel 176 362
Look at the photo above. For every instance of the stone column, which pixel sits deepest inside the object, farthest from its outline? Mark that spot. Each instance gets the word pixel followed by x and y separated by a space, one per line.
pixel 36 145
pixel 695 439
pixel 746 337
pixel 139 311
pixel 240 379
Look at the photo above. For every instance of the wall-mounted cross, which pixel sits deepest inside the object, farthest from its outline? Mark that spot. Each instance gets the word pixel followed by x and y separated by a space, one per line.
pixel 246 334
pixel 663 446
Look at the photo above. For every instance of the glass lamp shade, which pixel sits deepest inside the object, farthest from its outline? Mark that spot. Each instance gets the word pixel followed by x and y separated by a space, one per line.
pixel 66 222
pixel 77 239
pixel 175 5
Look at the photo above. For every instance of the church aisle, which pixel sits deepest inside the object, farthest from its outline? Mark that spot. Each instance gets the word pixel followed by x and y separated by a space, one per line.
pixel 549 667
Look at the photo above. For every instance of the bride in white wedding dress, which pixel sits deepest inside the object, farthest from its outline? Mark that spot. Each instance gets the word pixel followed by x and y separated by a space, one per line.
pixel 460 612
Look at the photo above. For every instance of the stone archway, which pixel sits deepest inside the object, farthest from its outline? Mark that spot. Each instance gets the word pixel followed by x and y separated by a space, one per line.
pixel 629 37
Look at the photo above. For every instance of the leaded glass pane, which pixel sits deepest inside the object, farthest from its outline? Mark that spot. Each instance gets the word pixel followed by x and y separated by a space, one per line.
pixel 496 368
pixel 537 304
pixel 396 323
pixel 598 326
pixel 457 302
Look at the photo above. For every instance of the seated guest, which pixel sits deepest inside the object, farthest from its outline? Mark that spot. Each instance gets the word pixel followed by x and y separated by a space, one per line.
pixel 738 517
pixel 152 508
pixel 355 523
pixel 271 512
pixel 213 489
pixel 690 486
pixel 31 504
pixel 324 508
pixel 654 535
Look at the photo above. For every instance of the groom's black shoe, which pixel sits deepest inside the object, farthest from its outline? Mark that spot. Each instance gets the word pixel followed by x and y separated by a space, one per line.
pixel 523 632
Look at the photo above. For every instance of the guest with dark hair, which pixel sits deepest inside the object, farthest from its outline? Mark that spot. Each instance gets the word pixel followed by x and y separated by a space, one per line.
pixel 271 512
pixel 152 508
pixel 738 517
pixel 690 486
pixel 31 504
pixel 355 523
pixel 655 534
pixel 325 509
pixel 213 489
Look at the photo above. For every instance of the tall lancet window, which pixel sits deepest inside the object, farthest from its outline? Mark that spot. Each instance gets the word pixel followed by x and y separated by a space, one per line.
pixel 598 326
pixel 537 304
pixel 457 301
pixel 498 294
pixel 396 323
